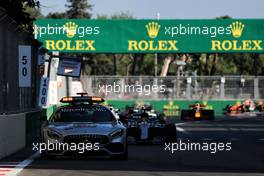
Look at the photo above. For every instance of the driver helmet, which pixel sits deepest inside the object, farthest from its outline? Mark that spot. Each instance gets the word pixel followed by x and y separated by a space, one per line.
pixel 247 102
pixel 197 105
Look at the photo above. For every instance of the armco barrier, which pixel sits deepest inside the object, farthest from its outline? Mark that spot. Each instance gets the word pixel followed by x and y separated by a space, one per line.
pixel 217 105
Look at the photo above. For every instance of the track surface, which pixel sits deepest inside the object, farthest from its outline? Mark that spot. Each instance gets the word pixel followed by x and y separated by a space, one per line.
pixel 245 158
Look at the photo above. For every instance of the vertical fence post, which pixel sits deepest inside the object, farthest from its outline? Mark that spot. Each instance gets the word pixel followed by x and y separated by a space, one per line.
pixel 122 82
pixel 256 88
pixel 88 85
pixel 155 83
pixel 188 88
pixel 222 88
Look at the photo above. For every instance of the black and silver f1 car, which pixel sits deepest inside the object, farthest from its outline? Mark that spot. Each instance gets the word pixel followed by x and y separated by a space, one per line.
pixel 197 112
pixel 144 125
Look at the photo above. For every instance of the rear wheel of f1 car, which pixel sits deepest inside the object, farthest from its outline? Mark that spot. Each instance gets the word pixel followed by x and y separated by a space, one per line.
pixel 170 133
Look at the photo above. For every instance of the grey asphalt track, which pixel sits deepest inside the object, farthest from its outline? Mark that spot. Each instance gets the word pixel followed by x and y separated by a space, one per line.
pixel 246 136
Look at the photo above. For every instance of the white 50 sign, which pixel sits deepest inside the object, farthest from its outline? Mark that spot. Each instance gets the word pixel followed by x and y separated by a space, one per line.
pixel 43 92
pixel 24 64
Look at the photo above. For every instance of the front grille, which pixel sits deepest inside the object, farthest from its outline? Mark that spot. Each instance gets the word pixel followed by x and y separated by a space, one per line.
pixel 86 138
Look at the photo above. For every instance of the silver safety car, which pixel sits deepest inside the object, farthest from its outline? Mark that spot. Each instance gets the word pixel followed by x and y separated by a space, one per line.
pixel 84 127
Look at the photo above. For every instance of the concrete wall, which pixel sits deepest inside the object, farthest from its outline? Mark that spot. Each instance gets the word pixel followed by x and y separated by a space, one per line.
pixel 12 133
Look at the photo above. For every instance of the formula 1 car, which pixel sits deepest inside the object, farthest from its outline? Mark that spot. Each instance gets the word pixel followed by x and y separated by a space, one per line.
pixel 144 125
pixel 247 108
pixel 84 127
pixel 197 112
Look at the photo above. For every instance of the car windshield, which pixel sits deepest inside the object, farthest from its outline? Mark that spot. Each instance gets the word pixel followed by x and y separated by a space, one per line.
pixel 92 114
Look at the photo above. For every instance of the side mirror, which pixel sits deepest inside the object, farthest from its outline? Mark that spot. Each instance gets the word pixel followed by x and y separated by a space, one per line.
pixel 117 117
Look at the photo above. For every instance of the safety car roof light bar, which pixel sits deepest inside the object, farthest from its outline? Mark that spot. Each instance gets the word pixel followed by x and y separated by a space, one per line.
pixel 82 99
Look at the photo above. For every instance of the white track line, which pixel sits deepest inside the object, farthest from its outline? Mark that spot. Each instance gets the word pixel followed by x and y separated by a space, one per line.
pixel 180 129
pixel 177 124
pixel 22 165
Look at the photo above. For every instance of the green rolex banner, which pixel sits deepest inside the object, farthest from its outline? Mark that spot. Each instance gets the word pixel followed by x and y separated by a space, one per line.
pixel 151 36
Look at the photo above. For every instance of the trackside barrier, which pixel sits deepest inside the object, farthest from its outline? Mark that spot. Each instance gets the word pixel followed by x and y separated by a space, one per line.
pixel 158 105
pixel 12 133
pixel 19 123
pixel 18 131
pixel 217 105
pixel 33 126
pixel 228 87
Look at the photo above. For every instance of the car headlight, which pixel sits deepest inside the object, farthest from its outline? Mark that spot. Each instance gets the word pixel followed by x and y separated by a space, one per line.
pixel 117 133
pixel 53 134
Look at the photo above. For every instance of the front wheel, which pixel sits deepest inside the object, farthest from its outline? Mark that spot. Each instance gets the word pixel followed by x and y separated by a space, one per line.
pixel 122 156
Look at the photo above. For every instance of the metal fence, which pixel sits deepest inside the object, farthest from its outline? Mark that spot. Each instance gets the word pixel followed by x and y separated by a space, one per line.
pixel 13 98
pixel 172 87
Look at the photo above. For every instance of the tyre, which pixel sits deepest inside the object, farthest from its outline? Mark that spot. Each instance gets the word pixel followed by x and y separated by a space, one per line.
pixel 162 119
pixel 170 133
pixel 187 114
pixel 122 156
